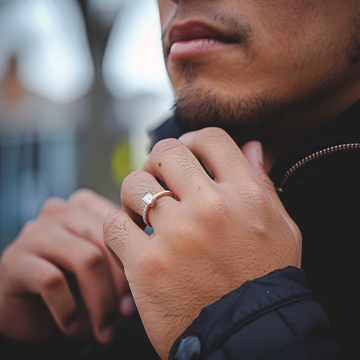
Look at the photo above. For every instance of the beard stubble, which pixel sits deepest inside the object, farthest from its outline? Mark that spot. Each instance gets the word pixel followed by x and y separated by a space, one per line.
pixel 196 108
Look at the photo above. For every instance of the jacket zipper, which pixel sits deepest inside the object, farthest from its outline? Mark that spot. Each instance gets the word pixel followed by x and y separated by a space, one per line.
pixel 316 155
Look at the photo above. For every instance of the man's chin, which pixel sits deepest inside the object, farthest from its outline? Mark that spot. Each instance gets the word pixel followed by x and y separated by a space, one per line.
pixel 197 109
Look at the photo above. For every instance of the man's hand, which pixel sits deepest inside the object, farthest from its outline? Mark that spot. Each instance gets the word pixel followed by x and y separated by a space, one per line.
pixel 57 277
pixel 219 231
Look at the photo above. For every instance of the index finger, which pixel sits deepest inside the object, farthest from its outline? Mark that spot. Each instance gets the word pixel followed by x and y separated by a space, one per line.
pixel 93 202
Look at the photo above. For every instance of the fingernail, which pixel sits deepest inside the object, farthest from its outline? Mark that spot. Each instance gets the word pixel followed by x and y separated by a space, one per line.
pixel 127 305
pixel 107 333
pixel 260 154
pixel 71 324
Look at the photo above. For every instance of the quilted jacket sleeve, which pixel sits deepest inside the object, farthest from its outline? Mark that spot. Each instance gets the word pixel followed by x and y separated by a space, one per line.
pixel 273 317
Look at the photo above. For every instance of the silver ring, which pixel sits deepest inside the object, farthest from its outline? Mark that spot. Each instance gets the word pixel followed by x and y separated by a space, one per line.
pixel 150 201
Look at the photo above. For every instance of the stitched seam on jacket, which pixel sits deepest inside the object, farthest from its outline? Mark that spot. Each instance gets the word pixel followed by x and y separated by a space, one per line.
pixel 226 353
pixel 251 318
pixel 302 343
pixel 278 312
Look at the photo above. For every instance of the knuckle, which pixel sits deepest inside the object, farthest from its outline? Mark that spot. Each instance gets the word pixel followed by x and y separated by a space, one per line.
pixel 110 223
pixel 259 203
pixel 230 152
pixel 93 258
pixel 207 134
pixel 51 280
pixel 217 206
pixel 116 231
pixel 31 226
pixel 53 206
pixel 152 265
pixel 214 199
pixel 164 147
pixel 7 258
pixel 257 193
pixel 31 232
pixel 172 152
pixel 297 234
pixel 132 180
pixel 82 196
pixel 267 181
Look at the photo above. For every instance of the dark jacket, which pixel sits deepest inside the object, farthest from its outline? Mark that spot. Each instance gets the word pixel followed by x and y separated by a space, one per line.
pixel 277 316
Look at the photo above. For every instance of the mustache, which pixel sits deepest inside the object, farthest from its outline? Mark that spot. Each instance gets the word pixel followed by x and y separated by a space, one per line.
pixel 235 24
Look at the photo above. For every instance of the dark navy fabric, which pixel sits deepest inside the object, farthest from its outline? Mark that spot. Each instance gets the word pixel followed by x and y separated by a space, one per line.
pixel 257 321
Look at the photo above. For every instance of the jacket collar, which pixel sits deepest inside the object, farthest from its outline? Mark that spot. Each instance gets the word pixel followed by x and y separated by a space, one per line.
pixel 344 128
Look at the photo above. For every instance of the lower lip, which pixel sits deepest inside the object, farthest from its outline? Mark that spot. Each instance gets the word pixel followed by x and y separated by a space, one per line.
pixel 182 50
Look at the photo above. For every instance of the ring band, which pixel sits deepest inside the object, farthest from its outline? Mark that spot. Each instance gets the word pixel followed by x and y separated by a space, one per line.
pixel 150 201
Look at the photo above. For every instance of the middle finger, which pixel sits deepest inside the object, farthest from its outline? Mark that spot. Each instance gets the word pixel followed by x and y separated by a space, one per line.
pixel 87 262
pixel 88 226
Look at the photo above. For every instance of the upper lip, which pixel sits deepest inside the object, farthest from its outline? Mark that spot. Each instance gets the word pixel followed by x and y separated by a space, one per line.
pixel 197 30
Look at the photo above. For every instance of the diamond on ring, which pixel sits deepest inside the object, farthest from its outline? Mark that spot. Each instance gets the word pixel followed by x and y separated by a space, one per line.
pixel 150 201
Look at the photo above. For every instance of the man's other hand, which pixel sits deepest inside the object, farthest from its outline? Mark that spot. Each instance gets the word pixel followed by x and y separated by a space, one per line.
pixel 225 226
pixel 57 278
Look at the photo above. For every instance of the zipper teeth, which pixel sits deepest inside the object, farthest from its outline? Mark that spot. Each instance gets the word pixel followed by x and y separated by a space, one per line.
pixel 316 155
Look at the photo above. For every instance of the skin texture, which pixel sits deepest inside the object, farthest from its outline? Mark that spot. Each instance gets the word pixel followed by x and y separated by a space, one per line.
pixel 57 279
pixel 299 57
pixel 213 237
pixel 295 66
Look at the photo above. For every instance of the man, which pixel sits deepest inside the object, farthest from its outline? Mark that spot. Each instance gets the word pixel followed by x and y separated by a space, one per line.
pixel 275 71
pixel 278 72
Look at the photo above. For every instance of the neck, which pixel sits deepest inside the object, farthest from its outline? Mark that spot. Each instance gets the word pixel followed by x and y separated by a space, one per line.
pixel 305 118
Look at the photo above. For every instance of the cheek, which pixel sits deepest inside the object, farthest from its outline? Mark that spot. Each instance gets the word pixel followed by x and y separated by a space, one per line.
pixel 295 34
pixel 167 10
pixel 283 34
pixel 285 22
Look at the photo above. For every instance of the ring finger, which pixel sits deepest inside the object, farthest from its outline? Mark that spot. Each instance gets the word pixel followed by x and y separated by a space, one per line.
pixel 133 190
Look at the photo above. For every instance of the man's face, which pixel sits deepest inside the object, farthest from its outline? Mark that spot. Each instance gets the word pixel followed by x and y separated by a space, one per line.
pixel 245 65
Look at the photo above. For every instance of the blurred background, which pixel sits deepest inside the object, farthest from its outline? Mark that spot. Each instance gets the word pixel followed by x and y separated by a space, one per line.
pixel 81 83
